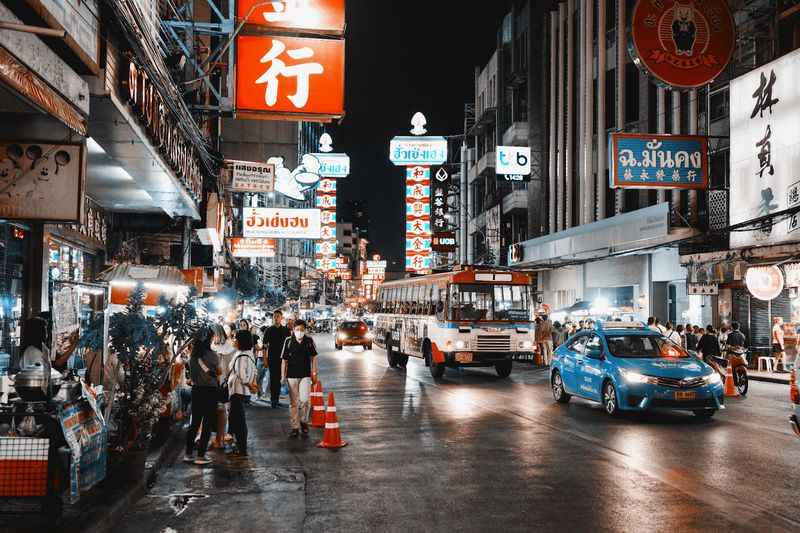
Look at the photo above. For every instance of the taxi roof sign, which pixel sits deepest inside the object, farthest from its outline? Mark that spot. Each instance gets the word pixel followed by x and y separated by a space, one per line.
pixel 618 324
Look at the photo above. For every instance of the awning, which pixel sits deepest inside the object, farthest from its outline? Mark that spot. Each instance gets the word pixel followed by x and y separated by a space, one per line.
pixel 628 233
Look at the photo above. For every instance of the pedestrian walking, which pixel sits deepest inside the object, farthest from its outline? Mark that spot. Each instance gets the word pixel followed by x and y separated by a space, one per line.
pixel 299 369
pixel 547 339
pixel 204 373
pixel 778 344
pixel 274 338
pixel 222 344
pixel 672 335
pixel 682 335
pixel 559 334
pixel 241 382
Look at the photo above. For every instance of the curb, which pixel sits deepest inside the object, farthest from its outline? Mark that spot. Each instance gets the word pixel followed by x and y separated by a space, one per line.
pixel 165 455
pixel 766 379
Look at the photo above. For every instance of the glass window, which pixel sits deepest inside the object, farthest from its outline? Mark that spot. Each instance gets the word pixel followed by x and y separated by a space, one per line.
pixel 642 347
pixel 511 302
pixel 476 302
pixel 593 344
pixel 578 345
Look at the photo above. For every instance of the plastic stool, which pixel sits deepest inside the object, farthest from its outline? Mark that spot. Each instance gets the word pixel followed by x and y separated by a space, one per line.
pixel 768 363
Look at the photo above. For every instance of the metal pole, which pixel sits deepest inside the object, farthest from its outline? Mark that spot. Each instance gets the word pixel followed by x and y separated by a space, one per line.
pixel 570 93
pixel 619 194
pixel 462 212
pixel 602 179
pixel 562 19
pixel 676 129
pixel 551 188
pixel 693 131
pixel 661 127
pixel 588 109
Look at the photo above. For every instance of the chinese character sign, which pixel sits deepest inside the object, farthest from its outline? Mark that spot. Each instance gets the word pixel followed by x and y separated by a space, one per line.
pixel 418 219
pixel 318 16
pixel 441 186
pixel 658 161
pixel 290 75
pixel 765 152
pixel 325 248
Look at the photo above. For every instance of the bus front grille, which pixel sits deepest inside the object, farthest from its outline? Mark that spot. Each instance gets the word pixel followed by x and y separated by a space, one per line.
pixel 494 343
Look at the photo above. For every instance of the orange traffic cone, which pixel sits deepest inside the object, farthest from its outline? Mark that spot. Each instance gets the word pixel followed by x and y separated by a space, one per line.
pixel 317 406
pixel 332 437
pixel 730 387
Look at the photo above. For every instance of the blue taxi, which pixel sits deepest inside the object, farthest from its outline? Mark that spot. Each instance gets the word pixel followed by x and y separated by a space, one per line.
pixel 627 366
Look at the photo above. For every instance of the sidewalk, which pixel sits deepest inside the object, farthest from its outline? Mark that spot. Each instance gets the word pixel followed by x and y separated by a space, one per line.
pixel 769 377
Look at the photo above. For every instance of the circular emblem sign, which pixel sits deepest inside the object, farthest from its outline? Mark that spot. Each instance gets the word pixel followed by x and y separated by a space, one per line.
pixel 682 44
pixel 764 283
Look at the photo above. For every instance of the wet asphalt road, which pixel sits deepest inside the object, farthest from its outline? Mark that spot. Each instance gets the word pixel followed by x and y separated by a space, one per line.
pixel 473 452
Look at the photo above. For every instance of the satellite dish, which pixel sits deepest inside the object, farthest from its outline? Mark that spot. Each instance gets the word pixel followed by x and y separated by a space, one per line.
pixel 325 142
pixel 419 122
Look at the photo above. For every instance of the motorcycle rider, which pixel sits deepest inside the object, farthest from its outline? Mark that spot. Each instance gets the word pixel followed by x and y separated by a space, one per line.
pixel 736 340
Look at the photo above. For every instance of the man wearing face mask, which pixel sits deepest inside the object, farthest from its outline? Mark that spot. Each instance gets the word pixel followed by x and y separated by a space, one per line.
pixel 299 370
pixel 274 338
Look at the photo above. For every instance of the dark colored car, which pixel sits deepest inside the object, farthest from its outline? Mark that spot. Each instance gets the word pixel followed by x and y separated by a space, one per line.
pixel 353 333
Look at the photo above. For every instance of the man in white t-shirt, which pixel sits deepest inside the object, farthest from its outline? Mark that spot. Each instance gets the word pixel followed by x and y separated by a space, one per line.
pixel 778 343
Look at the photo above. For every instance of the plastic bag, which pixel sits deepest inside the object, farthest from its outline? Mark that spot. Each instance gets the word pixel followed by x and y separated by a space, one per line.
pixel 284 389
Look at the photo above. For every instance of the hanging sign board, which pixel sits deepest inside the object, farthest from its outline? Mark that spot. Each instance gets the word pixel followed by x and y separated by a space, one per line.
pixel 702 289
pixel 407 151
pixel 444 242
pixel 252 247
pixel 248 176
pixel 317 16
pixel 281 223
pixel 682 44
pixel 764 282
pixel 333 165
pixel 658 161
pixel 513 161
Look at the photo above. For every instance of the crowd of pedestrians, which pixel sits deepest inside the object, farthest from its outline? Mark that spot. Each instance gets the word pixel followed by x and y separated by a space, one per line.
pixel 229 365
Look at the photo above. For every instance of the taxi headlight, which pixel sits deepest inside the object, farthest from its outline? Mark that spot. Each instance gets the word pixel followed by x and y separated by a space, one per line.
pixel 635 377
pixel 713 378
pixel 460 345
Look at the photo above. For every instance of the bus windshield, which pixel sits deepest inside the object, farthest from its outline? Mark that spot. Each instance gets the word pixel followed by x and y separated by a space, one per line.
pixel 475 302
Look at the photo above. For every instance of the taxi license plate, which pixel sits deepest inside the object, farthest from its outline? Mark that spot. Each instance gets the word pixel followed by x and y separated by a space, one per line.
pixel 682 395
pixel 463 357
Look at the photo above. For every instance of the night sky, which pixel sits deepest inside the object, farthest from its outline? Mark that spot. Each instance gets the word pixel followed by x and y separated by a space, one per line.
pixel 405 56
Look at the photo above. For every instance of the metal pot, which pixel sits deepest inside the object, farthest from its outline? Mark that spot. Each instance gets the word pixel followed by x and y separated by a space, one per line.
pixel 30 383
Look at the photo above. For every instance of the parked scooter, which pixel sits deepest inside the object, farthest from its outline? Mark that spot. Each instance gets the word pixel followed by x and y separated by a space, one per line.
pixel 738 358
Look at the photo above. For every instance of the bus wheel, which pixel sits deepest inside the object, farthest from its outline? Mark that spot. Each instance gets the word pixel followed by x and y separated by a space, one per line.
pixel 402 361
pixel 391 357
pixel 503 368
pixel 436 369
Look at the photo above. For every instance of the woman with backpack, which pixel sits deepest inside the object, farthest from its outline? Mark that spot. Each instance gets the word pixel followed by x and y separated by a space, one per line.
pixel 241 381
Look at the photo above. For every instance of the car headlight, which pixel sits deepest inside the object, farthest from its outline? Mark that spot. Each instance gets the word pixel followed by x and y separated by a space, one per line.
pixel 460 345
pixel 342 336
pixel 635 377
pixel 713 378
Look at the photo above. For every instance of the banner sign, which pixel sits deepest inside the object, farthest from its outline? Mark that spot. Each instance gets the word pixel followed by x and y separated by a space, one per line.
pixel 682 44
pixel 639 161
pixel 325 264
pixel 441 186
pixel 765 151
pixel 702 289
pixel 405 151
pixel 247 176
pixel 418 219
pixel 376 265
pixel 326 201
pixel 252 247
pixel 513 161
pixel 41 181
pixel 333 165
pixel 444 242
pixel 282 223
pixel 289 76
pixel 319 16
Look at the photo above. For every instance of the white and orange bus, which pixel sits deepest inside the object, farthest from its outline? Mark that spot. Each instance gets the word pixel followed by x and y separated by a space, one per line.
pixel 469 317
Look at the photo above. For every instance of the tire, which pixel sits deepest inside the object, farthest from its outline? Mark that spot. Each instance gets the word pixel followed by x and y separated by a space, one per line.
pixel 740 379
pixel 402 361
pixel 503 368
pixel 391 357
pixel 436 369
pixel 610 399
pixel 338 346
pixel 704 414
pixel 368 346
pixel 557 386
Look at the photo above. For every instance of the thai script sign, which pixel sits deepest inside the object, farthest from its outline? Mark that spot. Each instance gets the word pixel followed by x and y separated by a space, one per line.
pixel 252 247
pixel 404 151
pixel 312 16
pixel 289 76
pixel 333 165
pixel 765 151
pixel 269 222
pixel 418 219
pixel 248 176
pixel 683 44
pixel 640 161
pixel 40 181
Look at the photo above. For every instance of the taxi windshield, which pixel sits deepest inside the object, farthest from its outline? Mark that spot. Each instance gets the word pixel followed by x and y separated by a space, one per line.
pixel 477 302
pixel 643 347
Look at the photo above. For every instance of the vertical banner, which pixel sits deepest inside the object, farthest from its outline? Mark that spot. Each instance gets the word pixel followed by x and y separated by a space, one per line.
pixel 418 219
pixel 441 185
pixel 325 248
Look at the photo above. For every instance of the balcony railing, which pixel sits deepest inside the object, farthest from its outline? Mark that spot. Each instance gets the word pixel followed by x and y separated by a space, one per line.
pixel 516 134
pixel 486 163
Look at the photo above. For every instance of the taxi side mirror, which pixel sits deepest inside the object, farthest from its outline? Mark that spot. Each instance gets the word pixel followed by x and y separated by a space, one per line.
pixel 595 353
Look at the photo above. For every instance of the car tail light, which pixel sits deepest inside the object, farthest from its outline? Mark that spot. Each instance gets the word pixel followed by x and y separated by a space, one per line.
pixel 794 393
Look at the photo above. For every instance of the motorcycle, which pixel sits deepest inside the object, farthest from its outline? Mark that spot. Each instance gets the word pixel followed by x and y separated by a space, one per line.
pixel 738 358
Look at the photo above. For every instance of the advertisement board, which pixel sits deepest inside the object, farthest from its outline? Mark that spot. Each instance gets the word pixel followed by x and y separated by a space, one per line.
pixel 252 177
pixel 682 44
pixel 406 151
pixel 289 76
pixel 319 16
pixel 41 181
pixel 282 223
pixel 444 242
pixel 513 160
pixel 252 247
pixel 765 151
pixel 333 165
pixel 418 219
pixel 645 161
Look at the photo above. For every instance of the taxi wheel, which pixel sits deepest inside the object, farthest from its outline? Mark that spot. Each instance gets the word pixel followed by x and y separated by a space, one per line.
pixel 557 385
pixel 503 368
pixel 610 399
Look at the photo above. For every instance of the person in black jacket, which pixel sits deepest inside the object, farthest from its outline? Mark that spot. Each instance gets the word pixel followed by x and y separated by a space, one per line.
pixel 204 373
pixel 274 338
pixel 299 370
pixel 708 348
